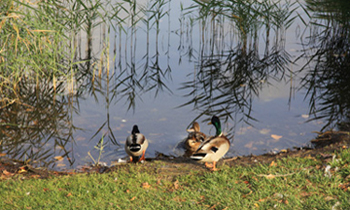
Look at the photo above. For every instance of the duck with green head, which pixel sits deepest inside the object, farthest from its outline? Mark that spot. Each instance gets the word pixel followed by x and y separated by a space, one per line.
pixel 213 148
pixel 136 145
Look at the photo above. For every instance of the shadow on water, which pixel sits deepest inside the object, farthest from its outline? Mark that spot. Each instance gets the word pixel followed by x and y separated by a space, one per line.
pixel 238 49
pixel 327 53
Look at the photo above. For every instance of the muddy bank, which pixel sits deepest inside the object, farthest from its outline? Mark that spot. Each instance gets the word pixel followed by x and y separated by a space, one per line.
pixel 322 148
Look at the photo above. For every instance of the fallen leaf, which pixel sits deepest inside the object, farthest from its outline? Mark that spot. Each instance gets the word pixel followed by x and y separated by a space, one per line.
pixel 305 194
pixel 61 165
pixel 127 191
pixel 305 116
pixel 35 176
pixel 176 184
pixel 133 198
pixel 270 176
pixel 46 189
pixel 257 205
pixel 145 185
pixel 59 158
pixel 272 164
pixel 276 137
pixel 284 150
pixel 328 198
pixel 7 173
pixel 178 199
pixel 2 154
pixel 69 195
pixel 22 170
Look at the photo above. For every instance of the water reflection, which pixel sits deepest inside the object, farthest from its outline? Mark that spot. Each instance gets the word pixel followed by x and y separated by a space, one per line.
pixel 327 56
pixel 233 64
pixel 238 49
pixel 38 125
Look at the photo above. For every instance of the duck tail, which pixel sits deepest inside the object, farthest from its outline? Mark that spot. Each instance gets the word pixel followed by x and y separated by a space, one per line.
pixel 198 156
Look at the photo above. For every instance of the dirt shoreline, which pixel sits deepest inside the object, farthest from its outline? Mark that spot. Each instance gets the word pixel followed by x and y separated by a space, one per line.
pixel 323 148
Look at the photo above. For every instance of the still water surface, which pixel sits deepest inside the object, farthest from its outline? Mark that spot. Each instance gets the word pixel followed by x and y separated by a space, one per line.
pixel 188 65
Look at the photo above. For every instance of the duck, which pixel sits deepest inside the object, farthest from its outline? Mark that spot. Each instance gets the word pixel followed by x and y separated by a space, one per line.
pixel 136 145
pixel 194 138
pixel 213 148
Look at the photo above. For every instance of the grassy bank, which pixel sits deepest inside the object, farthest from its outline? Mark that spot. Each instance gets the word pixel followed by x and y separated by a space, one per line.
pixel 288 183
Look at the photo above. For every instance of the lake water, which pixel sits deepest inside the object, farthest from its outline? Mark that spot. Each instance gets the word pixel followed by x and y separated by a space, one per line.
pixel 228 62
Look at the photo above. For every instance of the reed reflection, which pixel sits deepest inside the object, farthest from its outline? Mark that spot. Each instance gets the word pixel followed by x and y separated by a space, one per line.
pixel 38 126
pixel 126 69
pixel 231 66
pixel 327 54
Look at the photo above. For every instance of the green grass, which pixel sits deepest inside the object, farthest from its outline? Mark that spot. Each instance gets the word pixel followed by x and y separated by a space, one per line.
pixel 290 183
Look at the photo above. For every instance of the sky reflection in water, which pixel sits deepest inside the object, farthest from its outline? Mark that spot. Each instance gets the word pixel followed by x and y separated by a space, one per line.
pixel 175 69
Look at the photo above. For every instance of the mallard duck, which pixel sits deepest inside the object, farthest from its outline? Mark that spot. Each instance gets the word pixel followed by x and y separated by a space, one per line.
pixel 136 145
pixel 213 148
pixel 194 138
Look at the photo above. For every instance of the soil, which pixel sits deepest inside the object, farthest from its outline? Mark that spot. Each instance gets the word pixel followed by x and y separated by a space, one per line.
pixel 322 148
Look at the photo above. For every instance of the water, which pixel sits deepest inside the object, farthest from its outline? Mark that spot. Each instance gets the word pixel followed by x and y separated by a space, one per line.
pixel 254 85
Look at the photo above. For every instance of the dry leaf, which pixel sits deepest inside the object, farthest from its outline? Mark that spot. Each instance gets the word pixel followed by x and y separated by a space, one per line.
pixel 22 170
pixel 305 194
pixel 270 176
pixel 35 176
pixel 61 165
pixel 7 173
pixel 46 189
pixel 59 158
pixel 276 137
pixel 2 154
pixel 305 116
pixel 176 184
pixel 133 198
pixel 272 164
pixel 145 185
pixel 69 194
pixel 127 191
pixel 328 198
pixel 284 151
